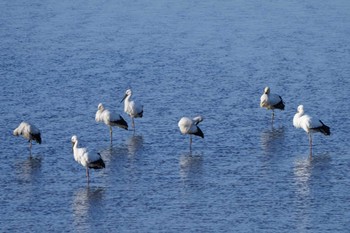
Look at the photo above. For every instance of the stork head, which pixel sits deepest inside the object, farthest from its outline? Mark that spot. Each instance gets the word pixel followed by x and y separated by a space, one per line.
pixel 74 140
pixel 127 93
pixel 100 107
pixel 267 90
pixel 300 109
pixel 197 119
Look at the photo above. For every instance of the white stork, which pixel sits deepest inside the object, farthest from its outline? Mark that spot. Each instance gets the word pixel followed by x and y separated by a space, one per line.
pixel 86 159
pixel 110 119
pixel 132 108
pixel 190 126
pixel 29 132
pixel 271 101
pixel 307 123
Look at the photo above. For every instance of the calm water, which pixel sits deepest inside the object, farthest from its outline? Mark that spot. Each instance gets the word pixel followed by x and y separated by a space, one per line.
pixel 60 59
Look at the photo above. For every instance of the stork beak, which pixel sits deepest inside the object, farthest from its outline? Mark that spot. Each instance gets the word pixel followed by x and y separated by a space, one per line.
pixel 124 98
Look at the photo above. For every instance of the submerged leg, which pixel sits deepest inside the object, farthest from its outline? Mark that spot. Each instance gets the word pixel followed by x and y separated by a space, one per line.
pixel 273 115
pixel 310 144
pixel 30 148
pixel 190 142
pixel 132 123
pixel 87 174
pixel 110 133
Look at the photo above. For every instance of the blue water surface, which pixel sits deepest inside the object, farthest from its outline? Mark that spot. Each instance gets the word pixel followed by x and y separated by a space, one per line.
pixel 60 59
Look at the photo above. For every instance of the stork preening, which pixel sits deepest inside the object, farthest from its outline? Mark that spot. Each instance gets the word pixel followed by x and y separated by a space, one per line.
pixel 309 125
pixel 29 132
pixel 190 126
pixel 132 108
pixel 271 101
pixel 86 159
pixel 110 119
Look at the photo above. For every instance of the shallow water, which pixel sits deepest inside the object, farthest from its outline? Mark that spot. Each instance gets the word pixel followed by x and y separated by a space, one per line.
pixel 58 60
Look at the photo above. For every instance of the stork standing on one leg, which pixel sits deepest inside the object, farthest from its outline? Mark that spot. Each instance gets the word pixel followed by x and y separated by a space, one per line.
pixel 307 123
pixel 132 108
pixel 271 101
pixel 86 159
pixel 110 119
pixel 29 132
pixel 190 126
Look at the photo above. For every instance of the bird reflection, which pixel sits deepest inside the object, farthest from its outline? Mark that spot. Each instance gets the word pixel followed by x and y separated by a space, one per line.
pixel 190 165
pixel 29 168
pixel 272 139
pixel 134 144
pixel 304 169
pixel 302 173
pixel 87 203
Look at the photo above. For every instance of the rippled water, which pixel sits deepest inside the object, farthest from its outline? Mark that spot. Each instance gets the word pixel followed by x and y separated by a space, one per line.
pixel 59 59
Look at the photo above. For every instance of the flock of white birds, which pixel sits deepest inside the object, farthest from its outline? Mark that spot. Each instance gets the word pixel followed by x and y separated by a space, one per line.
pixel 300 120
pixel 186 125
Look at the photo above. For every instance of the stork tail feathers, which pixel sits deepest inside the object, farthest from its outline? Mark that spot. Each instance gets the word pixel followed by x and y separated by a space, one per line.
pixel 98 164
pixel 324 129
pixel 199 133
pixel 121 123
pixel 279 105
pixel 37 137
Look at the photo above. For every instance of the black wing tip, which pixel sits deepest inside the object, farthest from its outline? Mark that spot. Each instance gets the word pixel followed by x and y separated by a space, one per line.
pixel 199 133
pixel 121 123
pixel 37 137
pixel 326 130
pixel 280 105
pixel 98 164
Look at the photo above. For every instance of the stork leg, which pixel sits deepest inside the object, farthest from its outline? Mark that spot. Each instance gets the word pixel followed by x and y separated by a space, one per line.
pixel 310 143
pixel 30 148
pixel 132 123
pixel 87 174
pixel 110 133
pixel 190 142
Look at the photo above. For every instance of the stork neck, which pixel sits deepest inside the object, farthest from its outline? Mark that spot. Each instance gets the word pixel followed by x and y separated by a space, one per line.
pixel 75 146
pixel 127 98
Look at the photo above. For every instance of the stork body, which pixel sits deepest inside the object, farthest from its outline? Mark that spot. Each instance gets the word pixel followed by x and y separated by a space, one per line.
pixel 110 119
pixel 190 126
pixel 271 101
pixel 132 108
pixel 85 158
pixel 309 125
pixel 29 132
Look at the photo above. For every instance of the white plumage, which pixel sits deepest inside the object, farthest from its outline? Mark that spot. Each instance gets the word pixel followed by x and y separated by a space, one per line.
pixel 190 126
pixel 110 119
pixel 309 125
pixel 271 101
pixel 133 109
pixel 86 159
pixel 29 132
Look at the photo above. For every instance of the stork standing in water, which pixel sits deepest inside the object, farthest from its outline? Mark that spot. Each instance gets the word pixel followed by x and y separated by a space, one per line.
pixel 307 123
pixel 271 101
pixel 190 126
pixel 110 119
pixel 29 132
pixel 86 159
pixel 133 109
